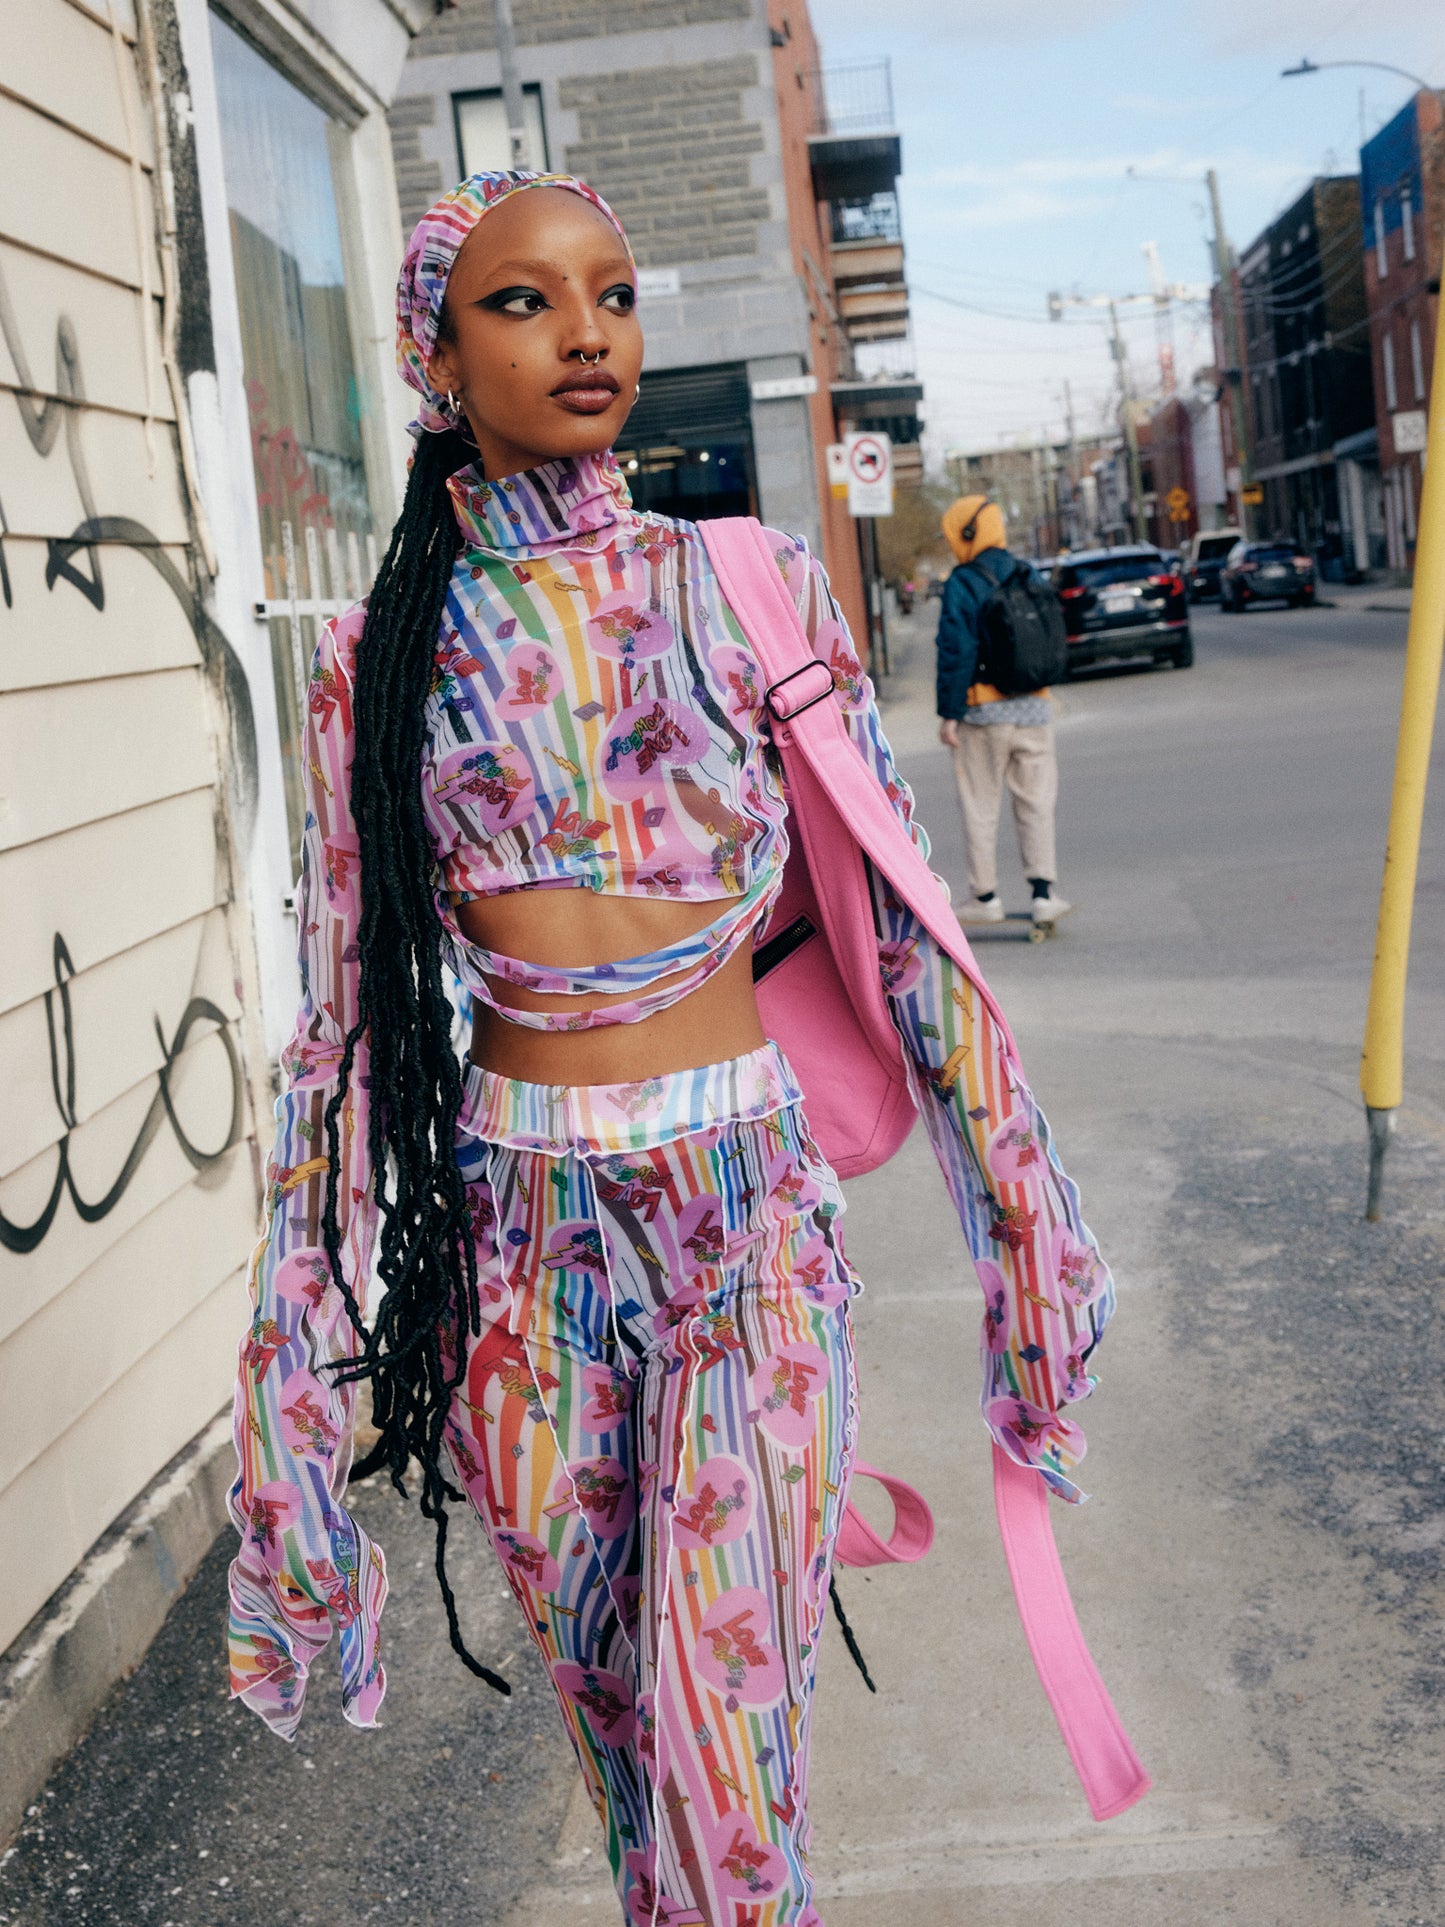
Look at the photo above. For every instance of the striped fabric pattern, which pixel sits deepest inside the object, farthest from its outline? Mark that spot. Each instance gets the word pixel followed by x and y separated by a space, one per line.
pixel 657 1428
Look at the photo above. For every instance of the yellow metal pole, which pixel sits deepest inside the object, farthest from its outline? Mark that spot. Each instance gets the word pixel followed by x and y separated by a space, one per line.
pixel 1382 1059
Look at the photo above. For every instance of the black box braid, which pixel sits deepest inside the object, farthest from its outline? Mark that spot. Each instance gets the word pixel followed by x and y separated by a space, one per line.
pixel 415 1354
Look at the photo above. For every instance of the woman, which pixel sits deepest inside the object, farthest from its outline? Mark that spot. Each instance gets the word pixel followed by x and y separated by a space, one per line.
pixel 617 1306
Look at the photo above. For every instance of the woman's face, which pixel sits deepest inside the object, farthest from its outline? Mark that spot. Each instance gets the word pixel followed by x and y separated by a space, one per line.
pixel 539 283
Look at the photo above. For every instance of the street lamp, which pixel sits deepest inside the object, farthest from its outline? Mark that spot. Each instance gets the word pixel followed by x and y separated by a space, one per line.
pixel 1308 66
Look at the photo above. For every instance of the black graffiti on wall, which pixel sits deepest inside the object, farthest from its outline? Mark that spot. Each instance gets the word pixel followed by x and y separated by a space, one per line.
pixel 43 416
pixel 162 1110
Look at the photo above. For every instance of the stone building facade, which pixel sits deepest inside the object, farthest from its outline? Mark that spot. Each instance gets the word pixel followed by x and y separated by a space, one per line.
pixel 707 125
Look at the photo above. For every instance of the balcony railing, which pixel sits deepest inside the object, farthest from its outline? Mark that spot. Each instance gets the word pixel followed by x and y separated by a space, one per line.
pixel 873 219
pixel 854 99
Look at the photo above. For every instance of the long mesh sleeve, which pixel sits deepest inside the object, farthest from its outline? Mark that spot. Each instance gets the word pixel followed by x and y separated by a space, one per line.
pixel 1047 1292
pixel 304 1564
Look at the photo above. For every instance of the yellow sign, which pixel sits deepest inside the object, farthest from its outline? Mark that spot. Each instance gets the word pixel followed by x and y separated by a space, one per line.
pixel 1177 501
pixel 1252 494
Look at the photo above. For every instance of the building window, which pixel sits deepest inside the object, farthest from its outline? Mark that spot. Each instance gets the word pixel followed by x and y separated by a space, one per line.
pixel 1382 259
pixel 317 535
pixel 1387 351
pixel 1417 360
pixel 483 144
pixel 1407 483
pixel 1407 221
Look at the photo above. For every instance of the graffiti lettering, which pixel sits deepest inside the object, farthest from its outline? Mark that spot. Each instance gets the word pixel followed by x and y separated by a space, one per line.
pixel 26 1237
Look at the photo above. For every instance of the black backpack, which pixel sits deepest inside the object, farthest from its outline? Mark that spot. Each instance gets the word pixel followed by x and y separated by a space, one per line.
pixel 1021 630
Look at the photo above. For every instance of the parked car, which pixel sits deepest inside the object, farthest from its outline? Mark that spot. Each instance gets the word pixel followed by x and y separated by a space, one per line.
pixel 1123 602
pixel 1204 559
pixel 1266 572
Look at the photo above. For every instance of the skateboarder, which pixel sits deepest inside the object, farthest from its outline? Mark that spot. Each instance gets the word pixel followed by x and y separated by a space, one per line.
pixel 997 616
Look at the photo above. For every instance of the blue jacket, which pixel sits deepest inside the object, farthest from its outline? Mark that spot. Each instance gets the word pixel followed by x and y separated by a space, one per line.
pixel 964 594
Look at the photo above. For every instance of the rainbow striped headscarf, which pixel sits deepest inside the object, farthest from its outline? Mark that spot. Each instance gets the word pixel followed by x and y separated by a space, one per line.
pixel 434 245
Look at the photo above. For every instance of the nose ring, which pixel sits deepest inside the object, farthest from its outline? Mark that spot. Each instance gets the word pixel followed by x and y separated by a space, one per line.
pixel 589 358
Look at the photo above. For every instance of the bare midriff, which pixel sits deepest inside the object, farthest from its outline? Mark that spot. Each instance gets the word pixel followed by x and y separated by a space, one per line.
pixel 717 1021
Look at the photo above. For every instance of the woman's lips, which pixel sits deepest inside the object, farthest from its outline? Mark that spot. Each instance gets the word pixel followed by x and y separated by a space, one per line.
pixel 586 394
pixel 585 401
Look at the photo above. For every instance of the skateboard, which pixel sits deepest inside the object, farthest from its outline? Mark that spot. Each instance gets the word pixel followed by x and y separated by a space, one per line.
pixel 1018 926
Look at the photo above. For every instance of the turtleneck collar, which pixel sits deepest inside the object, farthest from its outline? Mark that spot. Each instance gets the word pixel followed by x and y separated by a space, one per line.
pixel 581 502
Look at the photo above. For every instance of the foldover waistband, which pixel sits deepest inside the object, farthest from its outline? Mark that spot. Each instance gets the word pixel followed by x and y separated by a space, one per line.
pixel 607 1118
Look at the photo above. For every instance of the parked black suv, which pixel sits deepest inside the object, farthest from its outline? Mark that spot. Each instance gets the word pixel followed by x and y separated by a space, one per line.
pixel 1266 572
pixel 1123 602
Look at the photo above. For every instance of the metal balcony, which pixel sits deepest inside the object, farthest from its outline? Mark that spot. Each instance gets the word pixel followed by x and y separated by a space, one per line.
pixel 854 148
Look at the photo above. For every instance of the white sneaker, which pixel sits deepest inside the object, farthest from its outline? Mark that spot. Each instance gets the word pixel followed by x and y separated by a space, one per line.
pixel 1050 908
pixel 976 911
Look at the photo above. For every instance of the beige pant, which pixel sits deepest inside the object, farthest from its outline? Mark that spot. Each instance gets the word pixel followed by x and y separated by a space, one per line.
pixel 988 757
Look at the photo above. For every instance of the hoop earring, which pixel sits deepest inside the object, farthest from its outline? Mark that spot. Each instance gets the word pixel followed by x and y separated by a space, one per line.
pixel 451 401
pixel 637 392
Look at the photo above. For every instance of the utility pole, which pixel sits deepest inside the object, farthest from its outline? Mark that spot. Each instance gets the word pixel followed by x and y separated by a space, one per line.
pixel 1131 429
pixel 1074 530
pixel 1234 373
pixel 511 85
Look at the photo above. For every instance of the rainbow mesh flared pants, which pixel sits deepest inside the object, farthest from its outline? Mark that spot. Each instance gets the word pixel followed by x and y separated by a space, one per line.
pixel 656 1426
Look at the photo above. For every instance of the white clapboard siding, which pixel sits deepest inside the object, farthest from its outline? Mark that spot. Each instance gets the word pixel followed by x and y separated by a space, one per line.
pixel 105 887
pixel 128 476
pixel 114 1011
pixel 65 62
pixel 30 1280
pixel 79 1344
pixel 56 637
pixel 107 322
pixel 60 1505
pixel 70 198
pixel 127 741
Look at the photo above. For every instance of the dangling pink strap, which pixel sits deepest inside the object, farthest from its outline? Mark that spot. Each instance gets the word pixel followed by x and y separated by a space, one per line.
pixel 859 1545
pixel 1109 1769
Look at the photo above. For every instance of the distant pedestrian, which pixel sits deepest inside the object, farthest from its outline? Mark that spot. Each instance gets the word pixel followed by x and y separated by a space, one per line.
pixel 1000 640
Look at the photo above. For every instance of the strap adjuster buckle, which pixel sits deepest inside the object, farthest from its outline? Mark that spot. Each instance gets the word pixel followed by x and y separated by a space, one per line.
pixel 785 706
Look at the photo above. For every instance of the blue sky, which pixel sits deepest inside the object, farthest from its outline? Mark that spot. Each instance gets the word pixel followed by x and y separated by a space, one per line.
pixel 1019 121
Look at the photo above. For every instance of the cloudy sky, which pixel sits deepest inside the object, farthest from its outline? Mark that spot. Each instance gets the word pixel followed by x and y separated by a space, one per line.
pixel 1019 121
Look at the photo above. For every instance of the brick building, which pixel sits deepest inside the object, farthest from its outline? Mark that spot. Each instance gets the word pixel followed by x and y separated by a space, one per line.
pixel 758 192
pixel 1302 293
pixel 1402 193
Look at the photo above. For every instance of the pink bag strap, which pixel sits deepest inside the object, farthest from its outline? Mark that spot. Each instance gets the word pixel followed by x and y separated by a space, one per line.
pixel 841 781
pixel 859 1545
pixel 1109 1769
pixel 836 794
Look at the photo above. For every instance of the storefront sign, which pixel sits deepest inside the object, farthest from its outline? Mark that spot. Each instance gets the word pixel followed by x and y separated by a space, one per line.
pixel 653 283
pixel 838 470
pixel 785 387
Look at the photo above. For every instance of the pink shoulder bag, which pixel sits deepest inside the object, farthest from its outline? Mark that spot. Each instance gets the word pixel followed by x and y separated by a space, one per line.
pixel 824 1003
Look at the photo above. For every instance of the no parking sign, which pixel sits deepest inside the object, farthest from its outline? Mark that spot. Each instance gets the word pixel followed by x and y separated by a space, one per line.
pixel 869 458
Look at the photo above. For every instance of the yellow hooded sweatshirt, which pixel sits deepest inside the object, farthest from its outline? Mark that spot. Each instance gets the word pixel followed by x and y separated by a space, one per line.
pixel 984 520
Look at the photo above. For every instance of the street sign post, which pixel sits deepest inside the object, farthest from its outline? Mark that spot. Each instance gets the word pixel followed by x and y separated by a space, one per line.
pixel 869 458
pixel 1178 502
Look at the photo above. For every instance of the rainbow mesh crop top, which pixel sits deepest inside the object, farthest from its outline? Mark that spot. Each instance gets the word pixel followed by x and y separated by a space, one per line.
pixel 596 721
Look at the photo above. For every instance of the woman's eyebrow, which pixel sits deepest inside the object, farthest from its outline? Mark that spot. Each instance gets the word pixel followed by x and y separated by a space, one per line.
pixel 544 268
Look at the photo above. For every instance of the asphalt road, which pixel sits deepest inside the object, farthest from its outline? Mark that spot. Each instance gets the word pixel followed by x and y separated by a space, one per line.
pixel 1259 1570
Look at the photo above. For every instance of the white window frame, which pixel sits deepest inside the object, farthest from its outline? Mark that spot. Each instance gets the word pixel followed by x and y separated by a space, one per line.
pixel 1382 255
pixel 1387 358
pixel 1417 358
pixel 1407 220
pixel 371 248
pixel 1407 483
